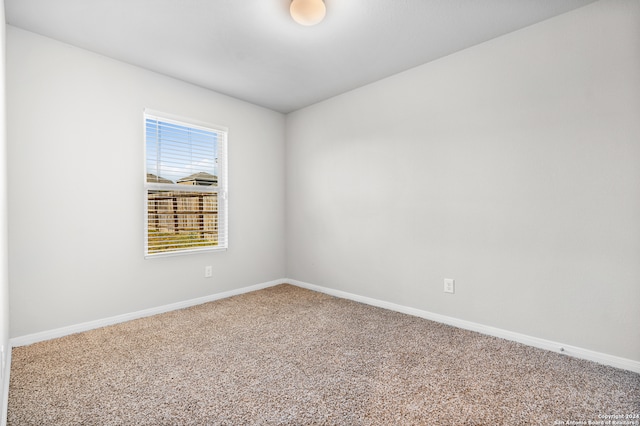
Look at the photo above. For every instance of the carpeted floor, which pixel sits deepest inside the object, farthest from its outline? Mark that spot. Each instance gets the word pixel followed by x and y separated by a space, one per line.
pixel 290 356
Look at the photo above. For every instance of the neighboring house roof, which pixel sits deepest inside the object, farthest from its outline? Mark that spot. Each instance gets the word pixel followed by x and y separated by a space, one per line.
pixel 157 179
pixel 201 178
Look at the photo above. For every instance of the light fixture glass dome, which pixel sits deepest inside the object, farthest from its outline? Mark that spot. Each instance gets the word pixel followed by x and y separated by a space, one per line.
pixel 307 12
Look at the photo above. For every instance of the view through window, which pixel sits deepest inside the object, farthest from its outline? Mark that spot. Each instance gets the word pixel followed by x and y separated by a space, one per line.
pixel 185 186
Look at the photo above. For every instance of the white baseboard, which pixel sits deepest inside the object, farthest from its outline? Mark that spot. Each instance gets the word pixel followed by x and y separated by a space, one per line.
pixel 587 354
pixel 602 358
pixel 91 325
pixel 5 387
pixel 577 352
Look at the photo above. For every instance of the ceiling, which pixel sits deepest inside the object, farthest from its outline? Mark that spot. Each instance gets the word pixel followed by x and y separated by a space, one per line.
pixel 254 51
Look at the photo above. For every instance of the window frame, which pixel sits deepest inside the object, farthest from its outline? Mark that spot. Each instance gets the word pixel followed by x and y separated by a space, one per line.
pixel 221 188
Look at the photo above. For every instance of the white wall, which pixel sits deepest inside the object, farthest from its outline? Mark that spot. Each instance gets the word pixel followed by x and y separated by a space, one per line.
pixel 76 198
pixel 4 283
pixel 512 167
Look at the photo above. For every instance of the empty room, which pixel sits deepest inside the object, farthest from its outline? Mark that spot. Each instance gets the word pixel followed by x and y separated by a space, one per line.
pixel 320 212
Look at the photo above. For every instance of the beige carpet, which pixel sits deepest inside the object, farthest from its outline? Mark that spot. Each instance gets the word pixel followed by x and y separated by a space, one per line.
pixel 290 356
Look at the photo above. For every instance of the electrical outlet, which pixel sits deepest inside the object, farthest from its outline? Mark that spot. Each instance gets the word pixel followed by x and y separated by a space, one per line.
pixel 449 285
pixel 208 271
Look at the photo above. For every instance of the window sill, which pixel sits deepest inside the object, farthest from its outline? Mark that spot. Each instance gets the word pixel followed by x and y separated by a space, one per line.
pixel 185 252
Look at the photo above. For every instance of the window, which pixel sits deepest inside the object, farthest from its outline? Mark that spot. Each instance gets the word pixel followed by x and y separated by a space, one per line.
pixel 185 185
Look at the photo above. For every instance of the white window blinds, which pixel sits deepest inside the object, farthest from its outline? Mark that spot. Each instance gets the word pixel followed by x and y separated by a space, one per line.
pixel 185 183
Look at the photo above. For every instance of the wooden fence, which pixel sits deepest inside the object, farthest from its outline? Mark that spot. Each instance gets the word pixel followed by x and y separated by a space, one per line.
pixel 179 212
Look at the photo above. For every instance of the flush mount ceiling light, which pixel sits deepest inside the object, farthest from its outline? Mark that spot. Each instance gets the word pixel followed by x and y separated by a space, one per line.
pixel 307 12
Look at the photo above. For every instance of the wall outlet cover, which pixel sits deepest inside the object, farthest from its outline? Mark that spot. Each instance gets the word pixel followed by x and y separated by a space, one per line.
pixel 449 285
